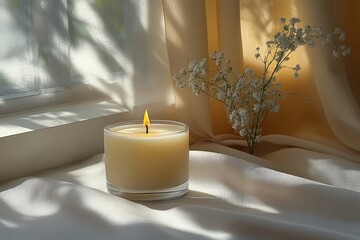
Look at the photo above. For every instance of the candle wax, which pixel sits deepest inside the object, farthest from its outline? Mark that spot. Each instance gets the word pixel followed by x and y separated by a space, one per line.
pixel 139 161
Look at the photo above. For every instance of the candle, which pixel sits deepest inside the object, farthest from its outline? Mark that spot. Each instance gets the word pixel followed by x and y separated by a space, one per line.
pixel 147 161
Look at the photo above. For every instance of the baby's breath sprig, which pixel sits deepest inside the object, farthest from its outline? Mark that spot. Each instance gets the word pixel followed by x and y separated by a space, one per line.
pixel 249 97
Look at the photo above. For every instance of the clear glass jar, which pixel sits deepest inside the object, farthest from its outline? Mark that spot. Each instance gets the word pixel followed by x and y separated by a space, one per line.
pixel 144 166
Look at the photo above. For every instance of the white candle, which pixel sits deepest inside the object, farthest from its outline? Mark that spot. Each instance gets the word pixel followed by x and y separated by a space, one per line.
pixel 147 163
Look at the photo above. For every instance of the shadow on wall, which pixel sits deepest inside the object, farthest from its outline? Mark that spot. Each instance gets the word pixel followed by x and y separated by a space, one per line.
pixel 103 43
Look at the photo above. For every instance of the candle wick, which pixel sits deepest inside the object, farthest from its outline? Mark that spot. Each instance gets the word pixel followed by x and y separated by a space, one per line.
pixel 147 129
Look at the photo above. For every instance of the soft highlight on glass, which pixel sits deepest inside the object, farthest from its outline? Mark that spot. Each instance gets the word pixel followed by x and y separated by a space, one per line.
pixel 144 166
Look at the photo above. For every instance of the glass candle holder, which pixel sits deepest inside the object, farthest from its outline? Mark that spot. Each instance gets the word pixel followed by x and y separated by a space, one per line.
pixel 144 166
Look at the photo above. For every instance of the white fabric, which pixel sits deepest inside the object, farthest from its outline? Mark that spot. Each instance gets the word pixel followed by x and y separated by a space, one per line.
pixel 230 198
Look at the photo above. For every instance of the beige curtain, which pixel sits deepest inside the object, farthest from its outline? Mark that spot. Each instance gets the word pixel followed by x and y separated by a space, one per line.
pixel 331 119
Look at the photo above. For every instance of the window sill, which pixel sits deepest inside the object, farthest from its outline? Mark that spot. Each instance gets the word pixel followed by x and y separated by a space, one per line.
pixel 57 116
pixel 35 141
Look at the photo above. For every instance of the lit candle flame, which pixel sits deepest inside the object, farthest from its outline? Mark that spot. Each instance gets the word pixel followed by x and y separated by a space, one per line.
pixel 146 121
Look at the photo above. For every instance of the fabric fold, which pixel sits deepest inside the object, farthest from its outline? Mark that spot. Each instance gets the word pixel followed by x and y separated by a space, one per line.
pixel 229 198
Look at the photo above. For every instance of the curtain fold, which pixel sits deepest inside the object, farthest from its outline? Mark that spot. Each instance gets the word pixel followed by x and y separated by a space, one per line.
pixel 186 35
pixel 237 27
pixel 341 109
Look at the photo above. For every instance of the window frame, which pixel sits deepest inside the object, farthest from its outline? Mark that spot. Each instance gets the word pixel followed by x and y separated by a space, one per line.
pixel 68 89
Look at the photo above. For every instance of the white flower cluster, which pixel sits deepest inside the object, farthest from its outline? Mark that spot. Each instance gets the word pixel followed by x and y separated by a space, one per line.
pixel 250 96
pixel 196 76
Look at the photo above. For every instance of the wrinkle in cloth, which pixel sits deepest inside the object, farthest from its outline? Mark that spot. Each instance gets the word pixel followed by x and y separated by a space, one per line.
pixel 229 198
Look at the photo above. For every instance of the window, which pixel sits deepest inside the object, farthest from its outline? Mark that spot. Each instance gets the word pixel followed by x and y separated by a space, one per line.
pixel 108 48
pixel 17 75
pixel 58 51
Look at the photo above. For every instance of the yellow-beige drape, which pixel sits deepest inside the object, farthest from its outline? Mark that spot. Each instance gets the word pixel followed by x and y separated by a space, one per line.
pixel 237 27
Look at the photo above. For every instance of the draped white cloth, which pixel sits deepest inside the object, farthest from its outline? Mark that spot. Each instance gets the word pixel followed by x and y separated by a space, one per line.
pixel 295 194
